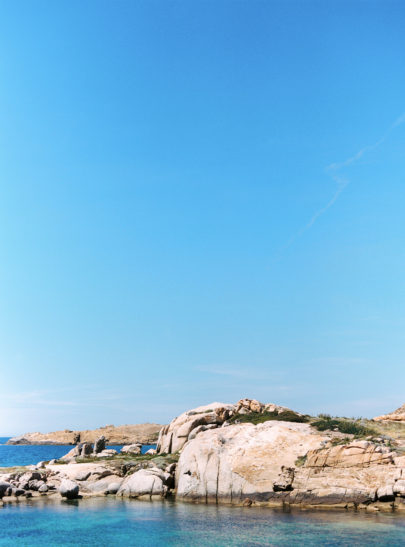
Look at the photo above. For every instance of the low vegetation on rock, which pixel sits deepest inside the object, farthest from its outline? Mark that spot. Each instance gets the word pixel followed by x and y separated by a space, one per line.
pixel 343 425
pixel 261 417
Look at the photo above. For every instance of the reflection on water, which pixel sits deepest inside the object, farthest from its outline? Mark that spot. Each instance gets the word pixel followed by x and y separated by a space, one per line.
pixel 110 521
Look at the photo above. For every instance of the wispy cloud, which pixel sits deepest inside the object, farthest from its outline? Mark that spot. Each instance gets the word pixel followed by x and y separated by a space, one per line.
pixel 400 120
pixel 341 182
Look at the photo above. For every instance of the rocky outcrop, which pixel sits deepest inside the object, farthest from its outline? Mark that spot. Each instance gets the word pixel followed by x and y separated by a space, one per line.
pixel 280 462
pixel 188 425
pixel 224 458
pixel 397 416
pixel 242 461
pixel 122 434
pixel 246 406
pixel 174 436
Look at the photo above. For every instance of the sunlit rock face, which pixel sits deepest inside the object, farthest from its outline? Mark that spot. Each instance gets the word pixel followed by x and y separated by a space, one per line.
pixel 397 416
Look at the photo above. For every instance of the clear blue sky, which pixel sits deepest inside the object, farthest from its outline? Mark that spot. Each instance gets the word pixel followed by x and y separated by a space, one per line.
pixel 200 201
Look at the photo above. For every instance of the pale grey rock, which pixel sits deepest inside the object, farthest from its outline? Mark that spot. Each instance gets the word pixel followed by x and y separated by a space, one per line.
pixel 241 461
pixel 171 468
pixel 30 476
pixel 385 493
pixel 69 489
pixel 285 480
pixel 113 487
pixel 86 449
pixel 75 452
pixel 144 483
pixel 107 453
pixel 82 475
pixel 174 436
pixel 131 449
pixel 35 484
pixel 201 428
pixel 99 445
pixel 43 489
pixel 108 485
pixel 399 488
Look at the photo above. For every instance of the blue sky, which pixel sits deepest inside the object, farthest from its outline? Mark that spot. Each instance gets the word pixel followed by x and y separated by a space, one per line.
pixel 200 201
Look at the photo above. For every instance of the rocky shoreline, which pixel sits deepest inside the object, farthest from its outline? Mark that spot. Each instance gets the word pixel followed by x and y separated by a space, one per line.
pixel 244 454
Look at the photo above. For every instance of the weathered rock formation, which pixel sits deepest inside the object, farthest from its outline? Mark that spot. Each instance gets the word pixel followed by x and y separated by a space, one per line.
pixel 281 462
pixel 174 436
pixel 224 458
pixel 241 461
pixel 397 416
pixel 188 425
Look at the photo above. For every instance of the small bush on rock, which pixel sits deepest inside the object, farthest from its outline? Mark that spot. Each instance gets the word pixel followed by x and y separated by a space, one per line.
pixel 349 427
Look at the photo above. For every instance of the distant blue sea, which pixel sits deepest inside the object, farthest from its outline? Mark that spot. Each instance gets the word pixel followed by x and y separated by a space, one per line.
pixel 110 521
pixel 11 455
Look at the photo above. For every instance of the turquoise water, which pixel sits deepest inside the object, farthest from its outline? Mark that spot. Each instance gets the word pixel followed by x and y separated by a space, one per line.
pixel 11 455
pixel 109 521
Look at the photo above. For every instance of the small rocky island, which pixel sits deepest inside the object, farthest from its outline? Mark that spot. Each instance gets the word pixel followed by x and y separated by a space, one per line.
pixel 248 453
pixel 121 434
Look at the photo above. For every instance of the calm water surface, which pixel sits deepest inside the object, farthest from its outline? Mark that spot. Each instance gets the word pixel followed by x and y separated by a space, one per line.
pixel 12 455
pixel 109 521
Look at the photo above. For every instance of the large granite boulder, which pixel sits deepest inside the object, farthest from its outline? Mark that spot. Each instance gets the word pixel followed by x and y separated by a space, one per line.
pixel 283 462
pixel 145 483
pixel 242 461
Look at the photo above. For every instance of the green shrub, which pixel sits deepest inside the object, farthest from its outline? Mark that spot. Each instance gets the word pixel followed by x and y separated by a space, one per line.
pixel 261 417
pixel 350 427
pixel 300 461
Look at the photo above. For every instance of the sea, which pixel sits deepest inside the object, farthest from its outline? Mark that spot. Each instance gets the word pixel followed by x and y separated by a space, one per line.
pixel 111 521
pixel 13 455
